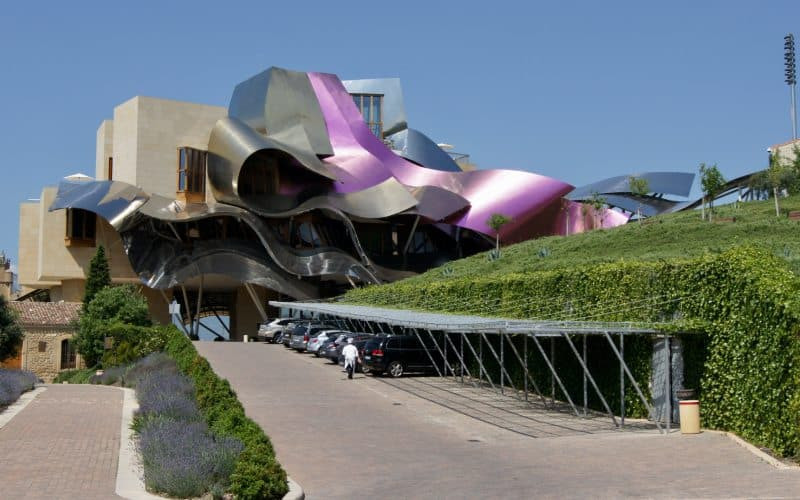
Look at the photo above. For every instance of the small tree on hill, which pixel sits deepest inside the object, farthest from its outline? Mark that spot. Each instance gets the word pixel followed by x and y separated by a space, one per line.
pixel 595 204
pixel 779 176
pixel 10 331
pixel 497 221
pixel 99 276
pixel 712 182
pixel 111 308
pixel 639 187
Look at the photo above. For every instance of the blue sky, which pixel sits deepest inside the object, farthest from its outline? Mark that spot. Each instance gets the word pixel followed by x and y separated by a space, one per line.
pixel 574 90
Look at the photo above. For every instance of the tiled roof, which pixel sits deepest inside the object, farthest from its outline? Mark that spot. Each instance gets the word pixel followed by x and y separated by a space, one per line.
pixel 46 313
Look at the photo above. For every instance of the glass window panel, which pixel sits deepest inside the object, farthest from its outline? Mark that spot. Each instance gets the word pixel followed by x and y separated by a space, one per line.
pixel 367 109
pixel 90 221
pixel 376 108
pixel 182 180
pixel 357 100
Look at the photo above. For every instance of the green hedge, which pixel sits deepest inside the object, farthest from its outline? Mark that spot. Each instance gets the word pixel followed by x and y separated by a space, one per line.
pixel 741 307
pixel 257 473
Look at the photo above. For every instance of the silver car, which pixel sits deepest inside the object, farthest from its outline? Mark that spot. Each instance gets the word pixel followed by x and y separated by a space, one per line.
pixel 303 333
pixel 267 332
pixel 316 341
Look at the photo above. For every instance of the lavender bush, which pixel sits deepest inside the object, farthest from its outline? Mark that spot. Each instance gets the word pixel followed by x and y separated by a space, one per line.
pixel 181 457
pixel 155 362
pixel 167 395
pixel 13 383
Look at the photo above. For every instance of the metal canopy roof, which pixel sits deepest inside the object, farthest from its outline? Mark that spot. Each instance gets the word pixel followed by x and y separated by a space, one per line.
pixel 463 323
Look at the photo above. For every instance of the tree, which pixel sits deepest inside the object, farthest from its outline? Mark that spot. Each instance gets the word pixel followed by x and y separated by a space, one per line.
pixel 779 176
pixel 594 204
pixel 639 187
pixel 10 331
pixel 712 182
pixel 496 221
pixel 99 276
pixel 110 308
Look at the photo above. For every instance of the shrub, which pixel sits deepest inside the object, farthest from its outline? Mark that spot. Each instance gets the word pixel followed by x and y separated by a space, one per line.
pixel 80 376
pixel 257 474
pixel 113 311
pixel 10 332
pixel 181 457
pixel 99 276
pixel 13 383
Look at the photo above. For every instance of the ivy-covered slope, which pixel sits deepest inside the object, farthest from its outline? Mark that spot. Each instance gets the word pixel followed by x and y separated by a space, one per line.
pixel 741 305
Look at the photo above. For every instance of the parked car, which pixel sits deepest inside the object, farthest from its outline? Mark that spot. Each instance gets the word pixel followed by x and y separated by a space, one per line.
pixel 303 333
pixel 359 340
pixel 331 349
pixel 269 332
pixel 398 354
pixel 286 334
pixel 316 341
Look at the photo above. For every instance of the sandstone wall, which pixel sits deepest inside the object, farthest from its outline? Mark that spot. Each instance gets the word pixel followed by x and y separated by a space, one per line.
pixel 41 352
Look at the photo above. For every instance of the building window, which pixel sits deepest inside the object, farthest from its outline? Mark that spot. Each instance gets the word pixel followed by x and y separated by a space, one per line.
pixel 371 108
pixel 68 355
pixel 110 168
pixel 192 173
pixel 42 346
pixel 81 226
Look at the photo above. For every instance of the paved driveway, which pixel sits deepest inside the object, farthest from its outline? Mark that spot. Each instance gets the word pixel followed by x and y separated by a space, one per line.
pixel 63 445
pixel 367 438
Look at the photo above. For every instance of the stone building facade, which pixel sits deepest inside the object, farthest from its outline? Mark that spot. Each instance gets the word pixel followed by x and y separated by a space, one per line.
pixel 48 328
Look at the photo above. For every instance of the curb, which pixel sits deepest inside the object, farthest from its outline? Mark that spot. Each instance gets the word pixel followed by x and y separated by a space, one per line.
pixel 129 483
pixel 766 457
pixel 295 491
pixel 19 405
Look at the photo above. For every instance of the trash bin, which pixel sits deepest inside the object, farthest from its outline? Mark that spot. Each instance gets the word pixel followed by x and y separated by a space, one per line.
pixel 690 416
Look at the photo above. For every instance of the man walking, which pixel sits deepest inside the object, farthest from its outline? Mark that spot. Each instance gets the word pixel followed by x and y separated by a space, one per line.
pixel 350 353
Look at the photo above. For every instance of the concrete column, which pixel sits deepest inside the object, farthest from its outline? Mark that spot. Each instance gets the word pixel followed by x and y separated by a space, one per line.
pixel 159 309
pixel 245 317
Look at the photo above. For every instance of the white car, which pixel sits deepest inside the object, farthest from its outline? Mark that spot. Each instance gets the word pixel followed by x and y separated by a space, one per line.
pixel 316 341
pixel 268 331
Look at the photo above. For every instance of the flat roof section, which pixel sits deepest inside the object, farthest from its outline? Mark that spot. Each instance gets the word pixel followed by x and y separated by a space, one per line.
pixel 464 323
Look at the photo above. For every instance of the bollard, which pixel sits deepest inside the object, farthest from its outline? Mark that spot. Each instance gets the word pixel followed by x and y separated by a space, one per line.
pixel 690 416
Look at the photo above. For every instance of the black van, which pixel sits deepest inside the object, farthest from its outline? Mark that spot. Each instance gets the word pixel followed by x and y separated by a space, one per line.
pixel 398 354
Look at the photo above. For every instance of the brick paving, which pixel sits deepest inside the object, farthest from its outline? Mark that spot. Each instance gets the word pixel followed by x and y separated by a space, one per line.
pixel 64 444
pixel 375 438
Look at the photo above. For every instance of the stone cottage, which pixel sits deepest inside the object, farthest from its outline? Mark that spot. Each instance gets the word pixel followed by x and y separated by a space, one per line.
pixel 47 346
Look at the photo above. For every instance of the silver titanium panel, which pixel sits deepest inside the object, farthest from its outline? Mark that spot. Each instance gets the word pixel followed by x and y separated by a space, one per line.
pixel 436 203
pixel 111 200
pixel 415 146
pixel 649 206
pixel 278 100
pixel 232 142
pixel 674 183
pixel 126 205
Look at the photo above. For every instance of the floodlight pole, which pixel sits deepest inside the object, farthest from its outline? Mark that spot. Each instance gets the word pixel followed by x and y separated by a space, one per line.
pixel 791 78
pixel 794 113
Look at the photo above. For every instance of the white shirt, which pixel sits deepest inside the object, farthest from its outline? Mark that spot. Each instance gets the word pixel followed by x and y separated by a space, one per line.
pixel 350 353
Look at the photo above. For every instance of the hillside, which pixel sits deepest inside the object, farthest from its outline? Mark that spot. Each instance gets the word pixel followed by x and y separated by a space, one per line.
pixel 680 235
